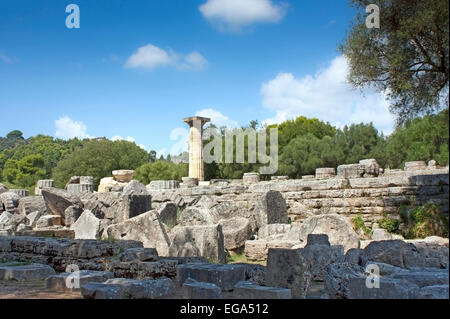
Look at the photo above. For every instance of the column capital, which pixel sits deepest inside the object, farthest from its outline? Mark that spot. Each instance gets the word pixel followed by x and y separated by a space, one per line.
pixel 190 120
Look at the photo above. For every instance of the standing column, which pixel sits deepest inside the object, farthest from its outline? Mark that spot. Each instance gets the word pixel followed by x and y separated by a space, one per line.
pixel 196 168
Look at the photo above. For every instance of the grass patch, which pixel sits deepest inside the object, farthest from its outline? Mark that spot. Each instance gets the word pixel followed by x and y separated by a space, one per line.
pixel 358 223
pixel 423 221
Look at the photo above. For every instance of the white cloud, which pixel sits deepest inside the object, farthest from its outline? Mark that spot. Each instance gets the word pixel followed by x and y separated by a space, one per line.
pixel 129 139
pixel 150 57
pixel 66 128
pixel 326 96
pixel 235 14
pixel 217 118
pixel 195 60
pixel 5 58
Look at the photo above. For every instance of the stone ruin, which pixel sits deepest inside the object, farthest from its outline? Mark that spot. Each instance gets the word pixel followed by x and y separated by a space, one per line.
pixel 168 236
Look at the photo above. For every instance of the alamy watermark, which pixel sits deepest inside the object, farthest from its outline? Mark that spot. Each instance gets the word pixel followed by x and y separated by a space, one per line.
pixel 73 280
pixel 373 280
pixel 373 19
pixel 73 19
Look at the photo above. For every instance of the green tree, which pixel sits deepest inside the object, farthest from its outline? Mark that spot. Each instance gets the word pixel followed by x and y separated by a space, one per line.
pixel 99 159
pixel 161 170
pixel 407 57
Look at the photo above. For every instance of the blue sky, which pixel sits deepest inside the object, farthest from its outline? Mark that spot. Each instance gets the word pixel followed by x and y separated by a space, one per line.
pixel 134 69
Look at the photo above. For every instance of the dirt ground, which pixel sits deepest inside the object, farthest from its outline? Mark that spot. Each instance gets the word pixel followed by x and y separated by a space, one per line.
pixel 37 290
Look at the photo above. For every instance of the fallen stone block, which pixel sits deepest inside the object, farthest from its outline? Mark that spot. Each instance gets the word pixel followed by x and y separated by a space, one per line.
pixel 168 214
pixel 49 221
pixel 142 289
pixel 87 226
pixel 146 228
pixel 287 268
pixel 424 277
pixel 20 272
pixel 235 232
pixel 31 204
pixel 270 209
pixel 139 254
pixel 72 281
pixel 434 292
pixel 224 276
pixel 58 200
pixel 193 289
pixel 95 290
pixel 198 241
pixel 338 228
pixel 251 290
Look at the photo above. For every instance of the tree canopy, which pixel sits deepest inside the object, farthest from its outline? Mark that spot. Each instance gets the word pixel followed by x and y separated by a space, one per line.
pixel 407 57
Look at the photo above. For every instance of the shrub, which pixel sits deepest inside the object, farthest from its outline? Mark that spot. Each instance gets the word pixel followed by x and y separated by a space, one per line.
pixel 424 221
pixel 358 223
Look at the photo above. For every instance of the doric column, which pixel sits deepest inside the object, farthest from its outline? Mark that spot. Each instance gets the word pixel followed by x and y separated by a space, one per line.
pixel 196 169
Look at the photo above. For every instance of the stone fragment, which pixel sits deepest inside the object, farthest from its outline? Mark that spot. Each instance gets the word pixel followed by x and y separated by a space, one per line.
pixel 123 175
pixel 189 181
pixel 9 201
pixel 236 231
pixel 58 200
pixel 250 178
pixel 22 272
pixel 250 290
pixel 146 228
pixel 31 204
pixel 224 276
pixel 198 241
pixel 338 229
pixel 270 209
pixel 287 268
pixel 80 188
pixel 21 192
pixel 434 292
pixel 381 234
pixel 49 221
pixel 370 167
pixel 201 290
pixel 171 184
pixel 325 172
pixel 95 290
pixel 415 166
pixel 168 214
pixel 72 214
pixel 142 289
pixel 350 171
pixel 43 183
pixel 139 254
pixel 87 226
pixel 135 188
pixel 67 282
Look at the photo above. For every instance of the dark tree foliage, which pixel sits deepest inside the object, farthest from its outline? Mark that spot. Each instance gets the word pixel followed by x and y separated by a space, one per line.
pixel 407 57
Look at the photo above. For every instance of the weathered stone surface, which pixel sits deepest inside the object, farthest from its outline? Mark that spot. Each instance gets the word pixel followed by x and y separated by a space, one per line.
pixel 43 183
pixel 353 256
pixel 224 276
pixel 31 204
pixel 236 231
pixel 424 277
pixel 196 216
pixel 350 171
pixel 338 229
pixel 189 181
pixel 370 167
pixel 123 175
pixel 250 290
pixel 83 180
pixel 146 228
pixel 142 270
pixel 80 188
pixel 287 268
pixel 142 289
pixel 62 282
pixel 171 184
pixel 139 254
pixel 321 255
pixel 3 188
pixel 279 232
pixel 58 200
pixel 250 178
pixel 116 206
pixel 21 192
pixel 49 232
pixel 135 188
pixel 168 214
pixel 348 281
pixel 396 253
pixel 107 184
pixel 325 172
pixel 198 241
pixel 87 226
pixel 95 290
pixel 5 219
pixel 415 166
pixel 271 209
pixel 20 272
pixel 193 289
pixel 72 213
pixel 9 201
pixel 381 234
pixel 434 292
pixel 49 221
